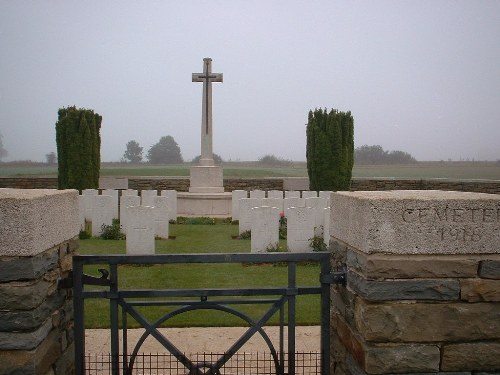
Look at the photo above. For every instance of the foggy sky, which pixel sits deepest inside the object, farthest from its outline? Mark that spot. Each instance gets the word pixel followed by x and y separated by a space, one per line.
pixel 418 76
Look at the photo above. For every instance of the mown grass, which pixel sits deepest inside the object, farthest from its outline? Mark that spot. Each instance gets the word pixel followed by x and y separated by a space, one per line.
pixel 200 239
pixel 451 170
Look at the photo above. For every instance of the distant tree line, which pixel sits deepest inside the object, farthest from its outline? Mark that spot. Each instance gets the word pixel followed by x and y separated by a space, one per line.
pixel 366 155
pixel 274 161
pixel 165 151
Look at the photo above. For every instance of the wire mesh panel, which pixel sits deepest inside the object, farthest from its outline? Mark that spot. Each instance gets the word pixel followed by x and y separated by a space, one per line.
pixel 306 363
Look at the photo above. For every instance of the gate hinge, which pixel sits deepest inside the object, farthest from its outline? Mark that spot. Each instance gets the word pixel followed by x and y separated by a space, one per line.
pixel 334 278
pixel 67 282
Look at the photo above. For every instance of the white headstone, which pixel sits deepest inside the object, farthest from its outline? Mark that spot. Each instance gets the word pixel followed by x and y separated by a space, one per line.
pixel 172 203
pixel 273 202
pixel 326 194
pixel 140 233
pixel 129 192
pixel 113 193
pixel 326 228
pixel 236 195
pixel 161 217
pixel 147 197
pixel 292 202
pixel 309 194
pixel 265 228
pixel 88 194
pixel 300 229
pixel 318 204
pixel 259 194
pixel 81 211
pixel 102 212
pixel 275 194
pixel 125 202
pixel 246 205
pixel 292 194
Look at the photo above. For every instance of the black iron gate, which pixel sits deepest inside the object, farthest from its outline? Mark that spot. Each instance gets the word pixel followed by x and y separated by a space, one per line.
pixel 278 298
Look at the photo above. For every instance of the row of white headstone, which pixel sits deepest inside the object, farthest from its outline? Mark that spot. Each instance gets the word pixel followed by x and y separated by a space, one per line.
pixel 307 217
pixel 276 198
pixel 142 218
pixel 301 228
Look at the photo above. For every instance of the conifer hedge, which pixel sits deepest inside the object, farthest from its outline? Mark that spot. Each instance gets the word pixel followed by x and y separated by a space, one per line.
pixel 330 149
pixel 78 148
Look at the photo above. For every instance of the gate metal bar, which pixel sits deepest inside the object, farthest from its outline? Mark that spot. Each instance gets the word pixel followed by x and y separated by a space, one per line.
pixel 118 298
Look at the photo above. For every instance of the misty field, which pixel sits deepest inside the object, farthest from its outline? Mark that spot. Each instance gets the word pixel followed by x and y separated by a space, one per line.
pixel 451 170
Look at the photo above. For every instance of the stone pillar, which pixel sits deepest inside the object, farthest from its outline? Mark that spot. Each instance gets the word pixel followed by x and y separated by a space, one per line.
pixel 39 233
pixel 423 282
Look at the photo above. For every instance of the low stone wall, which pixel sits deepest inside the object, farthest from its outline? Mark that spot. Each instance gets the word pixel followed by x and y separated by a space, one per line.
pixel 181 184
pixel 423 282
pixel 38 231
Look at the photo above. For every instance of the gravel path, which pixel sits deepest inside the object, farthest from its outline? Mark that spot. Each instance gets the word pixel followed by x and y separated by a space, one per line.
pixel 199 340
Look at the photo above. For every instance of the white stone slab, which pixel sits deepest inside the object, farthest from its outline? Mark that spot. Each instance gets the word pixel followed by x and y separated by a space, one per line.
pixel 88 194
pixel 292 194
pixel 309 194
pixel 206 179
pixel 275 194
pixel 293 202
pixel 318 204
pixel 265 228
pixel 161 217
pixel 300 229
pixel 259 194
pixel 125 202
pixel 204 204
pixel 33 221
pixel 147 197
pixel 273 202
pixel 129 192
pixel 113 193
pixel 172 202
pixel 236 195
pixel 326 228
pixel 102 212
pixel 246 205
pixel 82 201
pixel 325 194
pixel 417 222
pixel 140 233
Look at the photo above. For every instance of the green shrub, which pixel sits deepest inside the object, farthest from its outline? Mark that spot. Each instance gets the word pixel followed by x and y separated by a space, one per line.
pixel 84 235
pixel 282 227
pixel 276 248
pixel 246 235
pixel 317 243
pixel 112 232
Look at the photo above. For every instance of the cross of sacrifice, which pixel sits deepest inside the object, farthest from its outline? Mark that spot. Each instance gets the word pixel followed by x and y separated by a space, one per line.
pixel 207 77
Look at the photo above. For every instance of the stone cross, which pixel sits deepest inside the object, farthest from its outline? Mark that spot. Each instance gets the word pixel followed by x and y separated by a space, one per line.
pixel 207 77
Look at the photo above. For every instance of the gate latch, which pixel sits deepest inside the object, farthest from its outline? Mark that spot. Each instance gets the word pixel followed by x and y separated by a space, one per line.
pixel 339 278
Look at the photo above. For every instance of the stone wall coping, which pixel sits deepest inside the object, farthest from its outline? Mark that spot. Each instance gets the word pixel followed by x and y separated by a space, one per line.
pixel 417 221
pixel 33 221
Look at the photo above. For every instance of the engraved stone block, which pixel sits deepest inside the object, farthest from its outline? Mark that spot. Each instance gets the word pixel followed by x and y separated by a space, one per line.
pixel 417 222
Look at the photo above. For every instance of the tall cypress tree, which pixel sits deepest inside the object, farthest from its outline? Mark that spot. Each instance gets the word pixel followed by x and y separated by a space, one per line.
pixel 78 148
pixel 330 149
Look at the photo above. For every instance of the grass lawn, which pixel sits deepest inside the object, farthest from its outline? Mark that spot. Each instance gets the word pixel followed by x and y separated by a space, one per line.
pixel 452 170
pixel 200 239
